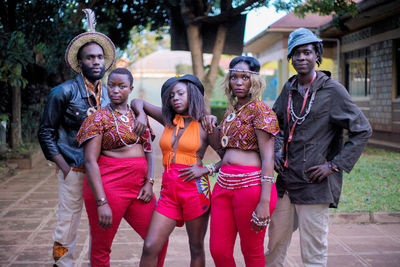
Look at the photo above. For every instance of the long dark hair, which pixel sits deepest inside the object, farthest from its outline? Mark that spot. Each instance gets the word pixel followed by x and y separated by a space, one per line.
pixel 196 105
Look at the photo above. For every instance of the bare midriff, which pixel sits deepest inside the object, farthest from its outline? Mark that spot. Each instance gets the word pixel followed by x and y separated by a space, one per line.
pixel 234 156
pixel 132 151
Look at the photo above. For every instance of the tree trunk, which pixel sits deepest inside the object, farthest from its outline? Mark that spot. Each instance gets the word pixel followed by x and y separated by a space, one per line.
pixel 16 139
pixel 195 42
pixel 211 77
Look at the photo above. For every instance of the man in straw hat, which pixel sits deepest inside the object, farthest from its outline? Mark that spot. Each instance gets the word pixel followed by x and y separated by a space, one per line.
pixel 312 110
pixel 89 55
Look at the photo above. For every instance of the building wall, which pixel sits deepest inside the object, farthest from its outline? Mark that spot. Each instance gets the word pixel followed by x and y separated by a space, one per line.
pixel 380 113
pixel 274 52
pixel 382 105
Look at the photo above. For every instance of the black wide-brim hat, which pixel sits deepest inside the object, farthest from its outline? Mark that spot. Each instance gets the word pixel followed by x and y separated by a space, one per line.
pixel 71 54
pixel 187 77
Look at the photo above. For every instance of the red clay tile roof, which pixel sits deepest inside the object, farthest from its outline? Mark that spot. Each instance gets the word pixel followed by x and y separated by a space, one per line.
pixel 309 21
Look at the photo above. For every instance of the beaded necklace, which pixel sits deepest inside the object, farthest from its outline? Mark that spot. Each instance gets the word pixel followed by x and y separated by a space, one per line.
pixel 296 119
pixel 299 120
pixel 116 124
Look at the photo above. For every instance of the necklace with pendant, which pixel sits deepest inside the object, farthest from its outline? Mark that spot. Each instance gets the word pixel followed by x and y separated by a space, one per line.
pixel 230 119
pixel 92 109
pixel 129 126
pixel 123 117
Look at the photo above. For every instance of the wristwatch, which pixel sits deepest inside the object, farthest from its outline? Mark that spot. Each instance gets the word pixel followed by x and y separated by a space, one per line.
pixel 150 180
pixel 101 201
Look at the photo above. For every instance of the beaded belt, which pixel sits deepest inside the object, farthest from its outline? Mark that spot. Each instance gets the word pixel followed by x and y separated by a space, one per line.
pixel 236 181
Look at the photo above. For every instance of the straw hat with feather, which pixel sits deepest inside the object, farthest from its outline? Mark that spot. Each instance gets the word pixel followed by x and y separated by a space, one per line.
pixel 71 54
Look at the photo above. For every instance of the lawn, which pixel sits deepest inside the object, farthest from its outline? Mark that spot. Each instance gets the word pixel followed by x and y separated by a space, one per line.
pixel 372 185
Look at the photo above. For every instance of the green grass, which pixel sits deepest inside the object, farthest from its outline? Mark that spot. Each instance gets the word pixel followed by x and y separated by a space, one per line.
pixel 373 184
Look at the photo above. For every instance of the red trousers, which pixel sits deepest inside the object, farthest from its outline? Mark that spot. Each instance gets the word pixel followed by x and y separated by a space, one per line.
pixel 231 212
pixel 122 180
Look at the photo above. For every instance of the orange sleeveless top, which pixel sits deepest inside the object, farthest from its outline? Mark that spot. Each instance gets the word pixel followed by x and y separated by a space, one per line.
pixel 188 143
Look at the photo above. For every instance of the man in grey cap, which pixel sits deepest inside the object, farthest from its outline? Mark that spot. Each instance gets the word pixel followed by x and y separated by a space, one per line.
pixel 310 155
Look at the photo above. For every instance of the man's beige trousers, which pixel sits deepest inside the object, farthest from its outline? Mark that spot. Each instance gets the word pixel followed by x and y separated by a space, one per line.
pixel 313 224
pixel 69 213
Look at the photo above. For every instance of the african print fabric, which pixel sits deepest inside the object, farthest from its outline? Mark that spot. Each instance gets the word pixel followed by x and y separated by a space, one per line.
pixel 203 186
pixel 241 130
pixel 102 122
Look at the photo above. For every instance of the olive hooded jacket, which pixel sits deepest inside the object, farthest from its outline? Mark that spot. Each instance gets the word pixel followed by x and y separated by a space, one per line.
pixel 319 139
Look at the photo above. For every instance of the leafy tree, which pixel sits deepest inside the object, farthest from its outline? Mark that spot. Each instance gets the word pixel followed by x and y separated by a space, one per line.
pixel 217 13
pixel 116 18
pixel 14 57
pixel 25 27
pixel 322 7
pixel 39 30
pixel 145 42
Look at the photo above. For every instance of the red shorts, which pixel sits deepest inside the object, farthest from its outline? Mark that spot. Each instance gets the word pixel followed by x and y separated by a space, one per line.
pixel 183 201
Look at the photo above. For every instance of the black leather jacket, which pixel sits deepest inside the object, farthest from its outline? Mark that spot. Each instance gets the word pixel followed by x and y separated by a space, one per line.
pixel 62 117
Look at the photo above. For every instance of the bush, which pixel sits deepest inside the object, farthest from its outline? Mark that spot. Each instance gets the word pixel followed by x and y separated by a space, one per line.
pixel 218 107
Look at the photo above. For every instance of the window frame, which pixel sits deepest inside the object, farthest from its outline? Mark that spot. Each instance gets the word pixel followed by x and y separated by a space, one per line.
pixel 356 55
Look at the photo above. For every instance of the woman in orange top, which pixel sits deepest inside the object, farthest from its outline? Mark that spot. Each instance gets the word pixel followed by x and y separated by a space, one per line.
pixel 185 195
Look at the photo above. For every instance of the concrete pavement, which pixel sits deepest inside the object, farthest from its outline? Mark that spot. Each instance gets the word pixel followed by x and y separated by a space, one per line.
pixel 28 202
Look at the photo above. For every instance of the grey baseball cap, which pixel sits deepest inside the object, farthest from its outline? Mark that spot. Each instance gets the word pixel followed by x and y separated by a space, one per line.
pixel 301 36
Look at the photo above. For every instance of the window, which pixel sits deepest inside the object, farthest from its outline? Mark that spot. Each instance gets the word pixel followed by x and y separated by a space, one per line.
pixel 357 76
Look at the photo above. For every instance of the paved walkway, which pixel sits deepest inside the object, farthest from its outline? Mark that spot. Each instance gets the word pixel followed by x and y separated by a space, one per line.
pixel 28 202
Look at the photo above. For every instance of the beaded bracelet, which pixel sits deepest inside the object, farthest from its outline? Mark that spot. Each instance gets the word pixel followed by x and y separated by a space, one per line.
pixel 266 178
pixel 210 168
pixel 258 222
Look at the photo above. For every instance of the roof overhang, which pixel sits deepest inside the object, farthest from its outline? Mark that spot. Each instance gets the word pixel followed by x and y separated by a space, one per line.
pixel 371 11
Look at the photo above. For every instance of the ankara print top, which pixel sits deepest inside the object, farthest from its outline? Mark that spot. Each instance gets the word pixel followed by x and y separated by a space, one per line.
pixel 241 130
pixel 102 122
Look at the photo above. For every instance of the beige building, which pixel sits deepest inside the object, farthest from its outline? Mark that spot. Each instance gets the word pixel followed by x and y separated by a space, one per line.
pixel 364 55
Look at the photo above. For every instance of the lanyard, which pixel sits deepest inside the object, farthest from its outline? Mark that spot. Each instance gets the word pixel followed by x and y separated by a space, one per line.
pixel 291 129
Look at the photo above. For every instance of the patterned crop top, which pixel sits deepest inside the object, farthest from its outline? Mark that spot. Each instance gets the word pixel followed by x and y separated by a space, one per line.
pixel 102 122
pixel 241 129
